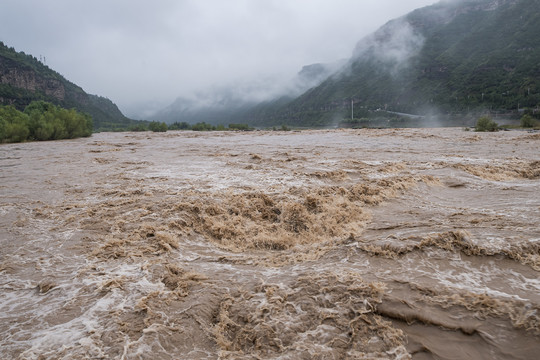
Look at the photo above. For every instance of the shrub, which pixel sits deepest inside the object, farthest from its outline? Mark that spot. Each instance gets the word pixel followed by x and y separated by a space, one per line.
pixel 42 121
pixel 138 127
pixel 202 126
pixel 527 121
pixel 179 126
pixel 157 126
pixel 486 124
pixel 242 127
pixel 14 125
pixel 16 132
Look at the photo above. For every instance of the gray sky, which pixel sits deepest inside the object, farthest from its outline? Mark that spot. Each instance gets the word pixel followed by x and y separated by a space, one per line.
pixel 135 51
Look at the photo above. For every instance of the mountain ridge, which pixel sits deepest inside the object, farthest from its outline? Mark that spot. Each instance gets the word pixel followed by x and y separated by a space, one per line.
pixel 226 104
pixel 473 56
pixel 24 78
pixel 450 60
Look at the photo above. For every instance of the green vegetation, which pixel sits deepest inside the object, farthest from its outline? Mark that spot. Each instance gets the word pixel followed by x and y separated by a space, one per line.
pixel 42 121
pixel 13 125
pixel 107 116
pixel 202 126
pixel 179 126
pixel 485 123
pixel 240 127
pixel 527 121
pixel 44 84
pixel 157 126
pixel 138 127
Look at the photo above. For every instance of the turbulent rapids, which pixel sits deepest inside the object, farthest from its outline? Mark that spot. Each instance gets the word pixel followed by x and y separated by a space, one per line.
pixel 341 244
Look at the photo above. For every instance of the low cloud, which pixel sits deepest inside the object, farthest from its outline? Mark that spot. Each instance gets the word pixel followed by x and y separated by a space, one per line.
pixel 137 52
pixel 392 45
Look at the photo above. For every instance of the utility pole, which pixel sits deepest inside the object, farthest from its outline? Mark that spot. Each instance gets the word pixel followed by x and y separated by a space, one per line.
pixel 352 109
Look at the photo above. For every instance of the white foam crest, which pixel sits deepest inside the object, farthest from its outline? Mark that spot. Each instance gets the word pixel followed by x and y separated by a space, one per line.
pixel 469 278
pixel 68 335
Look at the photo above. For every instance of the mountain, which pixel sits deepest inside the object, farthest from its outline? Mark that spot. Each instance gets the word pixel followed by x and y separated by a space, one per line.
pixel 231 103
pixel 449 59
pixel 221 106
pixel 24 79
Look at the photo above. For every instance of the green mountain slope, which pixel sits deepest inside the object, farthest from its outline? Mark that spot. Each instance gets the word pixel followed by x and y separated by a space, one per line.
pixel 23 79
pixel 450 58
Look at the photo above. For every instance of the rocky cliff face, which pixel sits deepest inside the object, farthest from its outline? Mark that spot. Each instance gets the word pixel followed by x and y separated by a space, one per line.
pixel 26 78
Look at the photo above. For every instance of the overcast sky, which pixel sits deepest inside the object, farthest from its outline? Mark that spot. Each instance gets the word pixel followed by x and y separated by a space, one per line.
pixel 133 51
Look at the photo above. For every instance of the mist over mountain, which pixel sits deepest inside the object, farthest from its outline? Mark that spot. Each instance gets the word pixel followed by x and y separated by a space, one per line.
pixel 449 59
pixel 225 104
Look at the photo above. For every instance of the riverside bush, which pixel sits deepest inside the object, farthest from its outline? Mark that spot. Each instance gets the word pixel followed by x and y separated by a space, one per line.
pixel 202 126
pixel 486 124
pixel 527 121
pixel 157 126
pixel 42 121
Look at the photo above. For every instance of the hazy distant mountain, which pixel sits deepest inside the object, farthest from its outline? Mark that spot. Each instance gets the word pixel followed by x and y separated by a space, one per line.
pixel 234 103
pixel 23 79
pixel 451 57
pixel 212 108
pixel 314 74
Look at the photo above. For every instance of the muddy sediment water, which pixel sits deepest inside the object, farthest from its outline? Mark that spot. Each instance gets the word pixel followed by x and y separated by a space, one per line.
pixel 342 244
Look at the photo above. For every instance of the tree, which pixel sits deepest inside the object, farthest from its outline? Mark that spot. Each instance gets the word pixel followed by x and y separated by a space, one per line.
pixel 202 126
pixel 157 126
pixel 42 121
pixel 14 125
pixel 527 121
pixel 242 127
pixel 179 126
pixel 485 123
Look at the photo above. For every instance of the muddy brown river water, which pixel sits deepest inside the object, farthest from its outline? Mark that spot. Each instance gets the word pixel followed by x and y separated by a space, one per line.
pixel 341 244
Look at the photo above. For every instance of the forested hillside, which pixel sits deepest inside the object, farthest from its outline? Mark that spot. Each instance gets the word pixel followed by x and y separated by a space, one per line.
pixel 449 59
pixel 24 78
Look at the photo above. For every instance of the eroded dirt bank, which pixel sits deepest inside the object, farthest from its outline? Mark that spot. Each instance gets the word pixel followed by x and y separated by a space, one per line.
pixel 418 243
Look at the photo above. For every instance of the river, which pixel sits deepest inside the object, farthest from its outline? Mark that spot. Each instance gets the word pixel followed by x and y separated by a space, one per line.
pixel 327 244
